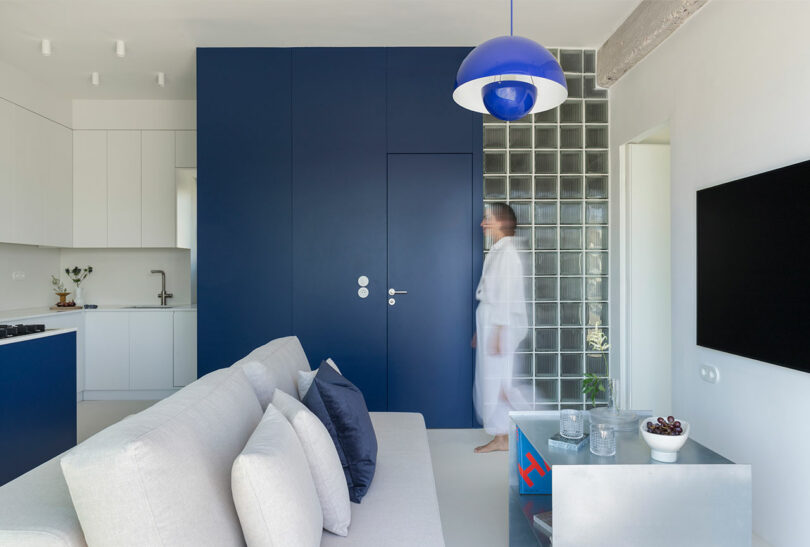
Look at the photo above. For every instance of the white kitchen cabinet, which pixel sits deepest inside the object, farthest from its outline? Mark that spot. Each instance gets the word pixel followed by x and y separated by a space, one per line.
pixel 158 190
pixel 89 188
pixel 185 347
pixel 106 351
pixel 71 320
pixel 151 352
pixel 6 167
pixel 185 148
pixel 124 188
pixel 57 205
pixel 28 174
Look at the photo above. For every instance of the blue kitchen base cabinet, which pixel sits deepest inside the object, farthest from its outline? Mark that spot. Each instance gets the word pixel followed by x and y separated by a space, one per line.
pixel 37 401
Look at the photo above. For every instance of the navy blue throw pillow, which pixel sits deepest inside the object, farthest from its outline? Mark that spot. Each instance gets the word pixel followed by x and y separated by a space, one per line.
pixel 341 407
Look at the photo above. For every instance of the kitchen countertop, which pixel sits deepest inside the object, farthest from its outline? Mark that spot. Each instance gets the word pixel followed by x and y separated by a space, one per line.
pixel 29 313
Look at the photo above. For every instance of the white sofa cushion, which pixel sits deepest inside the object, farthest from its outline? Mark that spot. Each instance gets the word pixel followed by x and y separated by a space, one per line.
pixel 163 476
pixel 306 377
pixel 35 510
pixel 323 460
pixel 274 365
pixel 401 508
pixel 273 489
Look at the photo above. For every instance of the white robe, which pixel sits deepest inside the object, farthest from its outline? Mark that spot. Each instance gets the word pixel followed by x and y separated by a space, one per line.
pixel 502 303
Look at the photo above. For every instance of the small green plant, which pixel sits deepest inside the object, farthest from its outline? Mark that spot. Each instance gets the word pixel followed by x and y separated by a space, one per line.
pixel 58 286
pixel 593 385
pixel 77 275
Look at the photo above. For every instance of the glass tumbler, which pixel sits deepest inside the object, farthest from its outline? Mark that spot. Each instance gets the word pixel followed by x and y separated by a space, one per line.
pixel 572 425
pixel 603 440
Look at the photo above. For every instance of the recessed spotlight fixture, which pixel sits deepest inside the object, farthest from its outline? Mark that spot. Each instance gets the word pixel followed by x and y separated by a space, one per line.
pixel 120 48
pixel 94 78
pixel 46 47
pixel 161 79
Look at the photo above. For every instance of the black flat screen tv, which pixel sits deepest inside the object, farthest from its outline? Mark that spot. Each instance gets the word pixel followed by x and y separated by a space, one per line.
pixel 753 267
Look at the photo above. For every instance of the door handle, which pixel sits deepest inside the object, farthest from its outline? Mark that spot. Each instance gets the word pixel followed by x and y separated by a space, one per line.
pixel 392 292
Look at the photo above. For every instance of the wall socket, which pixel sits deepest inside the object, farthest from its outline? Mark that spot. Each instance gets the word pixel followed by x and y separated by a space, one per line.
pixel 17 276
pixel 709 373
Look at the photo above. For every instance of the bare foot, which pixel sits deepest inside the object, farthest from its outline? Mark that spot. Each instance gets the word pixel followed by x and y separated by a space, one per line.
pixel 499 443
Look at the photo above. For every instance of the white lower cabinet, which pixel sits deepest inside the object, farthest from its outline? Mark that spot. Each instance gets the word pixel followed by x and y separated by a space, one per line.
pixel 139 354
pixel 185 347
pixel 106 351
pixel 151 350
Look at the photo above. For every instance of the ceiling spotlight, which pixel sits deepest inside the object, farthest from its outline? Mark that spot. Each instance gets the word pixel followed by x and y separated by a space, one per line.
pixel 46 47
pixel 120 48
pixel 94 78
pixel 161 79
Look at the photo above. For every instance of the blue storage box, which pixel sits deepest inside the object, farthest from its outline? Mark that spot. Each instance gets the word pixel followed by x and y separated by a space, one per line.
pixel 534 474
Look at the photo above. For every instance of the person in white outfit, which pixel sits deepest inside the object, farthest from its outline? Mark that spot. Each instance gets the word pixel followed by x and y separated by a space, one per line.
pixel 501 324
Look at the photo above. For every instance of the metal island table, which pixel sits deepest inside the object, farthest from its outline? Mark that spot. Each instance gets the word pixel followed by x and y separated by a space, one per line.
pixel 629 499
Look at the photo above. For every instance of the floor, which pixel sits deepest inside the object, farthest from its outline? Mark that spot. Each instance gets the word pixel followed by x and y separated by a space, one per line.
pixel 472 488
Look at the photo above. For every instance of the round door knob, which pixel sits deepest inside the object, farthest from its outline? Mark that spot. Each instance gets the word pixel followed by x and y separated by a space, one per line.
pixel 362 292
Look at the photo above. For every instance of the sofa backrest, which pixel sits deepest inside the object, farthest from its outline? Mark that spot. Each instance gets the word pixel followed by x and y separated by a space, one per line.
pixel 163 476
pixel 274 365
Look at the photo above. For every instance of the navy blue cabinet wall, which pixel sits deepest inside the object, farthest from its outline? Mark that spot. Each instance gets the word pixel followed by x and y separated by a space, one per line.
pixel 244 191
pixel 37 401
pixel 294 149
pixel 339 217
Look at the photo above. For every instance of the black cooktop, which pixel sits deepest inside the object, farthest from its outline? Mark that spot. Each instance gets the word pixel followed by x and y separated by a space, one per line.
pixel 7 331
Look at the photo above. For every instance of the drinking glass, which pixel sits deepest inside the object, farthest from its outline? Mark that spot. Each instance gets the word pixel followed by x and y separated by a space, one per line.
pixel 603 440
pixel 572 426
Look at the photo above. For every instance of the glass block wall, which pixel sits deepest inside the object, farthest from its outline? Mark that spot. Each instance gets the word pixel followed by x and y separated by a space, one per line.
pixel 552 169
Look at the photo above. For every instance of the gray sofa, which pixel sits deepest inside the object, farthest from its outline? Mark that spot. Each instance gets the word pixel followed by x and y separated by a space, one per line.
pixel 400 508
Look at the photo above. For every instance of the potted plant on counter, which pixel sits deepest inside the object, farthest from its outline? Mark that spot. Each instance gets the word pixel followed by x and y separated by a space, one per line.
pixel 77 275
pixel 59 290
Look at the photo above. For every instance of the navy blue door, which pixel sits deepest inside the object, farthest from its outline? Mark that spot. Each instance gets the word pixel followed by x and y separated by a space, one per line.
pixel 431 256
pixel 338 211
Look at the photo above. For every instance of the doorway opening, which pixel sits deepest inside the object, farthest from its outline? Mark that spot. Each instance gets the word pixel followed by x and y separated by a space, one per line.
pixel 645 273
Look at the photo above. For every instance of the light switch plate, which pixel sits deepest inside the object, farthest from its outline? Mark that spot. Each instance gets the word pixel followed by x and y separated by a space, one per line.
pixel 709 373
pixel 18 276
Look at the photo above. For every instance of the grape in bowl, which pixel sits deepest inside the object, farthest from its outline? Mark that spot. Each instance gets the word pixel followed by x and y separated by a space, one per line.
pixel 666 444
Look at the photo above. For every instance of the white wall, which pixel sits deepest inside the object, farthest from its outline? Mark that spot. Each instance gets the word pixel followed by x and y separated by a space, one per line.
pixel 19 88
pixel 134 114
pixel 733 82
pixel 38 264
pixel 121 276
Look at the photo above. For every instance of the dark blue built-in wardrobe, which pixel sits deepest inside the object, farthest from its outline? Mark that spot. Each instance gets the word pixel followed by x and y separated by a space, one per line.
pixel 317 166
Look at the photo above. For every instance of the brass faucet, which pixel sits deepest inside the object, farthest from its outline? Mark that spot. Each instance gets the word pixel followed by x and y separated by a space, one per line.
pixel 163 295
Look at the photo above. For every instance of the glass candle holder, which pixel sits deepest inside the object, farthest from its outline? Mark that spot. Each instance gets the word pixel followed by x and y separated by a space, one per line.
pixel 603 440
pixel 572 424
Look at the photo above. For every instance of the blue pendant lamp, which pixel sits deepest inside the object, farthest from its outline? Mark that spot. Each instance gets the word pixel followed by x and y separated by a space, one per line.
pixel 510 77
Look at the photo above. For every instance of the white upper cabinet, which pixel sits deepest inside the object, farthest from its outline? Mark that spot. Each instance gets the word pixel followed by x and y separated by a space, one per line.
pixel 36 179
pixel 28 176
pixel 158 189
pixel 57 202
pixel 6 168
pixel 89 188
pixel 124 188
pixel 185 148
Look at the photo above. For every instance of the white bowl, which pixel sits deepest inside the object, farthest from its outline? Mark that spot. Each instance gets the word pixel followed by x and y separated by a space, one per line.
pixel 664 448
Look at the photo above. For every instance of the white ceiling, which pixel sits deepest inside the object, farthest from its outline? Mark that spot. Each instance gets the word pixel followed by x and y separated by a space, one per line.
pixel 161 35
